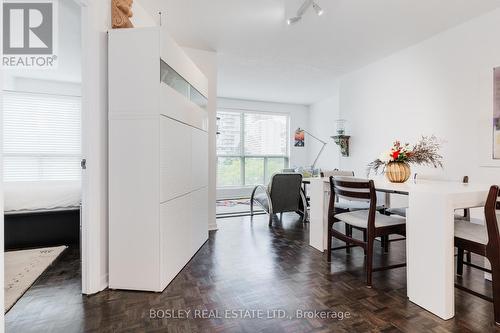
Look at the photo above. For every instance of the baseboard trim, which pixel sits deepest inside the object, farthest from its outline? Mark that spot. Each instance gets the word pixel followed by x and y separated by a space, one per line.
pixel 103 284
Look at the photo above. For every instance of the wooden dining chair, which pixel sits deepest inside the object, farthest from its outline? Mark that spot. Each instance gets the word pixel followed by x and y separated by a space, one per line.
pixel 370 220
pixel 484 241
pixel 349 206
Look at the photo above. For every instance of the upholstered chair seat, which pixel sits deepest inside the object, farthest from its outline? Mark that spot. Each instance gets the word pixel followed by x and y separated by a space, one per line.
pixel 359 219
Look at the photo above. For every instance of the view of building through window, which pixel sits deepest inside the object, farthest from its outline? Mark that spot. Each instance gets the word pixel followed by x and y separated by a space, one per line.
pixel 251 147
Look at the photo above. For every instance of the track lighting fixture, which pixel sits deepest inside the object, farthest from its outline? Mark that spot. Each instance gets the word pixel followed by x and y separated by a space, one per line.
pixel 318 9
pixel 293 20
pixel 301 11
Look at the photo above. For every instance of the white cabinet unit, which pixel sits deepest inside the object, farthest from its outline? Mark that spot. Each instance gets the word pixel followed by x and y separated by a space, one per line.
pixel 158 159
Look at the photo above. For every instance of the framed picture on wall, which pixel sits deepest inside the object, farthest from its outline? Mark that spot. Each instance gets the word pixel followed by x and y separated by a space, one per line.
pixel 496 113
pixel 488 117
pixel 299 138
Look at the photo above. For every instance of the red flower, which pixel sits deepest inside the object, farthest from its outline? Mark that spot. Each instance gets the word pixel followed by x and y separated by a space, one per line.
pixel 395 155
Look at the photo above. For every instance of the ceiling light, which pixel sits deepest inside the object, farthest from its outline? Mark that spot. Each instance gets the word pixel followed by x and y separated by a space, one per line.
pixel 293 20
pixel 318 9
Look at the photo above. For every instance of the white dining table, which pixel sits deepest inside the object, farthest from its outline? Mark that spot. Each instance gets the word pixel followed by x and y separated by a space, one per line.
pixel 429 233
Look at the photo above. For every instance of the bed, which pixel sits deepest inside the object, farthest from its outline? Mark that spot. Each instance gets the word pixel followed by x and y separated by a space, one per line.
pixel 39 214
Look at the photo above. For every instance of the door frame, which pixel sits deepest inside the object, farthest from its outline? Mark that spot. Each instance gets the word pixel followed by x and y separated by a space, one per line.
pixel 96 19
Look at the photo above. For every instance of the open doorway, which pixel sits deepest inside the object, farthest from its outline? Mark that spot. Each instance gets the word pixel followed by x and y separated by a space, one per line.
pixel 42 149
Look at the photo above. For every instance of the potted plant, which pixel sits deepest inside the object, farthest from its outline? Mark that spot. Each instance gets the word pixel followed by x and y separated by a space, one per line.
pixel 396 162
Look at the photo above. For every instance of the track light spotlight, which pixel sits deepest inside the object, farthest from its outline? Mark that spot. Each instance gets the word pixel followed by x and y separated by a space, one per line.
pixel 303 9
pixel 293 20
pixel 318 9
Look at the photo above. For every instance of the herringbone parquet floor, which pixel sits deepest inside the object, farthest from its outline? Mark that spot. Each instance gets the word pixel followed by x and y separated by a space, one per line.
pixel 247 265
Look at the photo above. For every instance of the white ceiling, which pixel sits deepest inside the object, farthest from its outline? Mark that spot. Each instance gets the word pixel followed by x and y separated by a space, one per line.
pixel 262 58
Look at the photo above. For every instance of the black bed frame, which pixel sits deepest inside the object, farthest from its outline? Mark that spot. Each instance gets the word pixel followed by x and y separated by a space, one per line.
pixel 42 229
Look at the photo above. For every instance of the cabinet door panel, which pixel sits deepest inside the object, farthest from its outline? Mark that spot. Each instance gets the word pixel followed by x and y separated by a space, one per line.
pixel 199 218
pixel 199 158
pixel 175 235
pixel 133 204
pixel 175 154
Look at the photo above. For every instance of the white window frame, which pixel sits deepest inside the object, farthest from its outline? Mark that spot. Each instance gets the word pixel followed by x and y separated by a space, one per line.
pixel 242 155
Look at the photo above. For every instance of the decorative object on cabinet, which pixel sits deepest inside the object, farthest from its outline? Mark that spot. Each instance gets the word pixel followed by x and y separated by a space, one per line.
pixel 396 162
pixel 341 139
pixel 121 12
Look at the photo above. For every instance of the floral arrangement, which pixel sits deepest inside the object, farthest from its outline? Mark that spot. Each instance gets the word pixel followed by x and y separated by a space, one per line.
pixel 424 152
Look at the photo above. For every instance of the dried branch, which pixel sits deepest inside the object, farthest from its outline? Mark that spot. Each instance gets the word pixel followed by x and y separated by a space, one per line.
pixel 424 152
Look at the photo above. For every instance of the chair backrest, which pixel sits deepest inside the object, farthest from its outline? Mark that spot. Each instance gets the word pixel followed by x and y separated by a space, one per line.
pixel 284 190
pixel 419 176
pixel 492 218
pixel 353 189
pixel 337 173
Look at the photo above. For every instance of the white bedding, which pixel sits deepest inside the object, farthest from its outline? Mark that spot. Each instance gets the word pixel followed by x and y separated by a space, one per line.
pixel 41 196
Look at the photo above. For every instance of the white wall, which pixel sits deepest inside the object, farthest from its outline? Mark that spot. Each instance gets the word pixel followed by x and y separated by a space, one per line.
pixel 299 117
pixel 207 62
pixel 141 17
pixel 441 86
pixel 322 117
pixel 2 299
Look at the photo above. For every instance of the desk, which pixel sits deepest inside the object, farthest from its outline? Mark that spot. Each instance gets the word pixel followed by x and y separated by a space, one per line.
pixel 429 234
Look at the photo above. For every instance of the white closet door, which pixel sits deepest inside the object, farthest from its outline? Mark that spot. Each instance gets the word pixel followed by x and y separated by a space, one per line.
pixel 175 235
pixel 133 204
pixel 199 172
pixel 199 218
pixel 175 155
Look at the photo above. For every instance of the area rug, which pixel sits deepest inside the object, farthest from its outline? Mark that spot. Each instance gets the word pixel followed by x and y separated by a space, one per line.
pixel 22 268
pixel 236 207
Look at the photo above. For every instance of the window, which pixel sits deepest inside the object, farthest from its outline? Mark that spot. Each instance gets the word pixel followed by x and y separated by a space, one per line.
pixel 251 147
pixel 41 137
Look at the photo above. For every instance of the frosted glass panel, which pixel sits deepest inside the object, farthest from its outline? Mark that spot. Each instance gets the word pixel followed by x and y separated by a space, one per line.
pixel 174 80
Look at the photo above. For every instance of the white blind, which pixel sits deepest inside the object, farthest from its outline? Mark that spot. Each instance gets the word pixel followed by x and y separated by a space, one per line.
pixel 265 134
pixel 229 139
pixel 42 137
